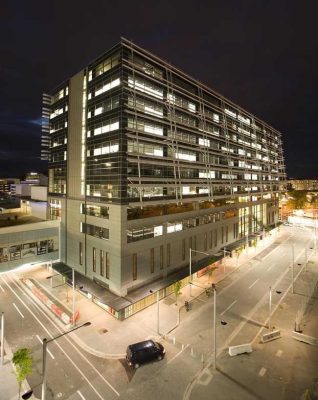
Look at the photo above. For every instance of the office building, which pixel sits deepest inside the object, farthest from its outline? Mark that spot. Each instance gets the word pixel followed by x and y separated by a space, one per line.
pixel 146 162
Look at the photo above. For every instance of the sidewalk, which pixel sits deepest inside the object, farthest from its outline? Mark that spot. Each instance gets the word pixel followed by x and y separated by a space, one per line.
pixel 108 337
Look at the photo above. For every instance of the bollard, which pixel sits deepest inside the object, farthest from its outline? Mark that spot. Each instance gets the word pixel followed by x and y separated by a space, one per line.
pixel 202 358
pixel 182 346
pixel 174 340
pixel 192 352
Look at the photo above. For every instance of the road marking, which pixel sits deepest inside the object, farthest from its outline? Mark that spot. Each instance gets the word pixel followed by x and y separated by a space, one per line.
pixel 41 341
pixel 273 265
pixel 228 307
pixel 279 353
pixel 2 289
pixel 80 394
pixel 253 283
pixel 18 284
pixel 18 310
pixel 173 358
pixel 262 371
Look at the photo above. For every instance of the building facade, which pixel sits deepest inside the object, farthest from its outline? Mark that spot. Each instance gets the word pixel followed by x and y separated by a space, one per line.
pixel 145 162
pixel 302 184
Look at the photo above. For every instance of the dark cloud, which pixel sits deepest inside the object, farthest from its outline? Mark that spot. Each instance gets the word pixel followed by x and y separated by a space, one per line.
pixel 261 55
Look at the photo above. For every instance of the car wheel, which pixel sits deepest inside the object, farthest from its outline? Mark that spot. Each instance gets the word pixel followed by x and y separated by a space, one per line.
pixel 159 357
pixel 136 366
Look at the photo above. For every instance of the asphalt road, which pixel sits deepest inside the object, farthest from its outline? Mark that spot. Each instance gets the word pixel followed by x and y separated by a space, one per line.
pixel 242 303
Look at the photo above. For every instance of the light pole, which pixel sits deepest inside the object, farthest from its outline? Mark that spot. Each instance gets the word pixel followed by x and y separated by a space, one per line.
pixel 270 308
pixel 214 325
pixel 45 342
pixel 224 253
pixel 190 270
pixel 151 291
pixel 2 338
pixel 292 266
pixel 190 264
pixel 73 304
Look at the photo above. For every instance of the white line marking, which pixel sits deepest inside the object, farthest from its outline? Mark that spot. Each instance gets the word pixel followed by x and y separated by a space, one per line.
pixel 2 289
pixel 18 285
pixel 279 353
pixel 262 371
pixel 80 394
pixel 173 358
pixel 253 283
pixel 41 341
pixel 269 268
pixel 18 310
pixel 228 307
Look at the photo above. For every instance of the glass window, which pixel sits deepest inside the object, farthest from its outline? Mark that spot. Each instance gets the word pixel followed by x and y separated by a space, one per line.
pixel 134 266
pixel 94 259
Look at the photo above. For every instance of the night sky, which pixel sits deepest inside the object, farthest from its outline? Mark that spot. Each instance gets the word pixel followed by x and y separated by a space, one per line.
pixel 263 55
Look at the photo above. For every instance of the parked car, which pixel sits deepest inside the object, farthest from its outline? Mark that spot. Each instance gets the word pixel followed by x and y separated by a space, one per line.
pixel 143 352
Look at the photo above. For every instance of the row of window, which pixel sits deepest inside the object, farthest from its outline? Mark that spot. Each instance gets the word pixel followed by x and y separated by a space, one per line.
pixel 104 106
pixel 104 66
pixel 93 230
pixel 136 234
pixel 94 210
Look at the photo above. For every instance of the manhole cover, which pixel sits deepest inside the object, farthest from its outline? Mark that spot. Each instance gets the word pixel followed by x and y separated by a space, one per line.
pixel 101 331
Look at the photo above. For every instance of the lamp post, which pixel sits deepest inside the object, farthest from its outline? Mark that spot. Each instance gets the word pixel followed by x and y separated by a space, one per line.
pixel 214 326
pixel 190 270
pixel 270 308
pixel 73 303
pixel 224 254
pixel 44 343
pixel 292 266
pixel 151 291
pixel 190 264
pixel 2 338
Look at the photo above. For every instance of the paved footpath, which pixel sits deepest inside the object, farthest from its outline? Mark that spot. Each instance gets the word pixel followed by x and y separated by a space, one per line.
pixel 107 337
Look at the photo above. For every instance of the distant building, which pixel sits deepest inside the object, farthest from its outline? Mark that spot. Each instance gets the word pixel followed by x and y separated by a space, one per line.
pixel 146 162
pixel 7 185
pixel 302 184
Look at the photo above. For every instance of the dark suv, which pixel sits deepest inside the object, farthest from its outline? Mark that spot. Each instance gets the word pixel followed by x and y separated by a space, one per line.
pixel 142 352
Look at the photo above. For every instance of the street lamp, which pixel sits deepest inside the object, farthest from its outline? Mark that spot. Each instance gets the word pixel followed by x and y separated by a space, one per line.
pixel 151 291
pixel 214 325
pixel 2 338
pixel 45 342
pixel 292 266
pixel 190 265
pixel 73 305
pixel 224 253
pixel 270 308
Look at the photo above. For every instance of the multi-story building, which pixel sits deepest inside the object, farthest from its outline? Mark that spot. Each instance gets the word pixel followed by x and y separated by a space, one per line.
pixel 146 162
pixel 7 185
pixel 302 184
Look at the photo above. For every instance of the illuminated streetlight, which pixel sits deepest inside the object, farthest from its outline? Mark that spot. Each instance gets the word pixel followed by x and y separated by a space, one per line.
pixel 151 291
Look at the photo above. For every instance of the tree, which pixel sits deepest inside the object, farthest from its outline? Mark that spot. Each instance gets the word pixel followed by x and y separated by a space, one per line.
pixel 210 271
pixel 177 290
pixel 238 252
pixel 297 199
pixel 22 361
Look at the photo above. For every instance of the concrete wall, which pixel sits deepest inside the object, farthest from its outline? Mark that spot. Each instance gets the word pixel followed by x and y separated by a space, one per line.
pixel 39 193
pixel 38 209
pixel 22 189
